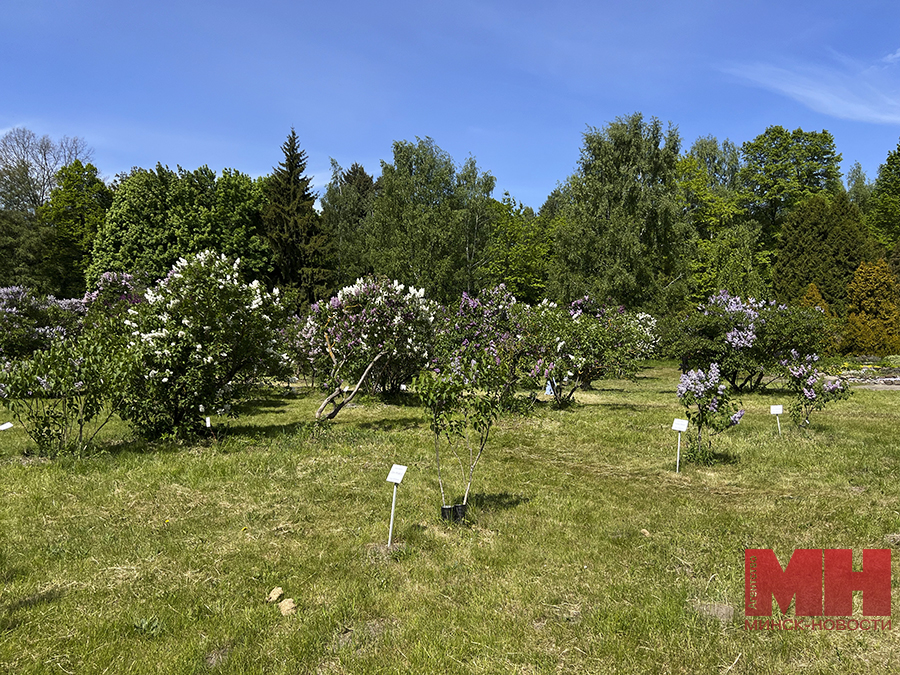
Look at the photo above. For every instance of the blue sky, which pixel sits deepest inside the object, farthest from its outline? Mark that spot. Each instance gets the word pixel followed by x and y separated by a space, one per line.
pixel 514 84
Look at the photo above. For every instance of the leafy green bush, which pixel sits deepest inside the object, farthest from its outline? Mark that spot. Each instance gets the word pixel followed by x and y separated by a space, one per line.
pixel 65 394
pixel 811 388
pixel 588 342
pixel 709 408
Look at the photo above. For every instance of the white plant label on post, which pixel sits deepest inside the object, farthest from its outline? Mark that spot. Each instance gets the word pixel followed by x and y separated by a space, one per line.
pixel 777 410
pixel 5 426
pixel 208 423
pixel 679 426
pixel 395 476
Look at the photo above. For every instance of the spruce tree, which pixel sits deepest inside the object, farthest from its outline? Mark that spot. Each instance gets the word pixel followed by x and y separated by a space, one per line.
pixel 300 247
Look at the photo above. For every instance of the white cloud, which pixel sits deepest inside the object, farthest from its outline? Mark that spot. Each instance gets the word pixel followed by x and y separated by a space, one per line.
pixel 847 90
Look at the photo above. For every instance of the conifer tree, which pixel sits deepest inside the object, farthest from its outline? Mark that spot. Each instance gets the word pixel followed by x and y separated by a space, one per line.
pixel 873 324
pixel 824 242
pixel 300 247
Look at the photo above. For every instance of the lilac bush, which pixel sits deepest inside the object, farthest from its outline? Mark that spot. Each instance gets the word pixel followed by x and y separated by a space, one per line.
pixel 811 387
pixel 202 340
pixel 31 322
pixel 64 395
pixel 708 406
pixel 587 342
pixel 374 328
pixel 746 337
pixel 487 342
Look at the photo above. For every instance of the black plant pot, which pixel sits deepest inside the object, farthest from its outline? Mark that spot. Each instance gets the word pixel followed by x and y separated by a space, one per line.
pixel 454 513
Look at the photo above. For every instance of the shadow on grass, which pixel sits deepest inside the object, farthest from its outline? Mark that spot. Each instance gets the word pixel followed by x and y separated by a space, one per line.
pixel 9 622
pixel 303 428
pixel 396 424
pixel 716 458
pixel 500 501
pixel 33 600
pixel 259 405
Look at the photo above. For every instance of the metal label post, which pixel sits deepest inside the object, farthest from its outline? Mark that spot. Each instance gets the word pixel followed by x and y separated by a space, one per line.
pixel 395 477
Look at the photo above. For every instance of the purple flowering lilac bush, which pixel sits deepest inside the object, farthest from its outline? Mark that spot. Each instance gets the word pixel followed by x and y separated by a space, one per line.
pixel 376 329
pixel 708 406
pixel 811 387
pixel 747 337
pixel 65 386
pixel 30 322
pixel 478 358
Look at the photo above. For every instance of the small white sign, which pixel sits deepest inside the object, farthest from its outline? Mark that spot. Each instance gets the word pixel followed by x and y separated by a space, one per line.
pixel 208 423
pixel 5 426
pixel 679 425
pixel 776 410
pixel 396 474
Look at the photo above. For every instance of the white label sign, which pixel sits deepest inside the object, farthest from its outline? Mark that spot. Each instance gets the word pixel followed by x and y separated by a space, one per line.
pixel 776 410
pixel 208 423
pixel 5 426
pixel 679 425
pixel 396 474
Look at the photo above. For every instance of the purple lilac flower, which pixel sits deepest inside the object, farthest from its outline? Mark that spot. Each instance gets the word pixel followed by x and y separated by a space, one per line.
pixel 736 418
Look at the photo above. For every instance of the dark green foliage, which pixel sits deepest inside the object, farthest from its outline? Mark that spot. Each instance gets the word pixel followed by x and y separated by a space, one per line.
pixel 159 216
pixel 622 235
pixel 347 203
pixel 884 218
pixel 824 242
pixel 23 250
pixel 783 167
pixel 301 249
pixel 75 213
pixel 519 250
pixel 730 260
pixel 747 338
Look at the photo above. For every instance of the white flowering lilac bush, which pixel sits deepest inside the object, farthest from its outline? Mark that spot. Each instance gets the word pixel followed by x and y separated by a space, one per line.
pixel 202 340
pixel 375 329
pixel 811 387
pixel 708 406
pixel 587 342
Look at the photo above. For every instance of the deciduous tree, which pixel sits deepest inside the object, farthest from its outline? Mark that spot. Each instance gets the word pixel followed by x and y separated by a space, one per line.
pixel 623 235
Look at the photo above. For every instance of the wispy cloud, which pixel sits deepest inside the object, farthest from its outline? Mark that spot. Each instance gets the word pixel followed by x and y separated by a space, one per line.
pixel 848 89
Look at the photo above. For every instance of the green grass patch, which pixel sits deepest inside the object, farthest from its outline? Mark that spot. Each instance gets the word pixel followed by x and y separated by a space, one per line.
pixel 584 551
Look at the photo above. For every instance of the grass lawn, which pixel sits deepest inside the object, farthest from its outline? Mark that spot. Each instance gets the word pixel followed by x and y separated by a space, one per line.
pixel 585 551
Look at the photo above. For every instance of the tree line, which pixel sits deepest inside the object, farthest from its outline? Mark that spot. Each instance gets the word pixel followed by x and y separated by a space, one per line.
pixel 642 222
